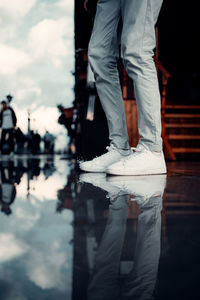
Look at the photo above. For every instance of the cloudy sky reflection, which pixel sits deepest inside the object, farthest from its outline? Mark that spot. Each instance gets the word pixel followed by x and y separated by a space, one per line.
pixel 36 249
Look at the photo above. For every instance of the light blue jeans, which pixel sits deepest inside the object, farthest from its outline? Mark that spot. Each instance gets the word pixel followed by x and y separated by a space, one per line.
pixel 137 44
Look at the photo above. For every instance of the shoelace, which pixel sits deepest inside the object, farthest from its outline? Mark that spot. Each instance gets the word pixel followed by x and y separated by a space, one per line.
pixel 134 154
pixel 109 149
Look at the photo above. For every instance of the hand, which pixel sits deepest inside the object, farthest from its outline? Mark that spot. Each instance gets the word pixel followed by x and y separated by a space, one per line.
pixel 85 5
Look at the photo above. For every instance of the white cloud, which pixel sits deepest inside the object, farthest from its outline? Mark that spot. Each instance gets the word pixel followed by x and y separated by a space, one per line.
pixel 16 8
pixel 65 4
pixel 36 59
pixel 12 60
pixel 27 90
pixel 47 40
pixel 43 118
pixel 12 14
pixel 60 8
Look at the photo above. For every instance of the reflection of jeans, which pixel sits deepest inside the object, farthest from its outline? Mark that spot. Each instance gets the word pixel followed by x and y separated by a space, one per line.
pixel 137 44
pixel 10 139
pixel 139 283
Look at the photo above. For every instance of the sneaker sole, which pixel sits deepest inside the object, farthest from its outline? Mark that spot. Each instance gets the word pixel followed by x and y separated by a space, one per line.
pixel 136 173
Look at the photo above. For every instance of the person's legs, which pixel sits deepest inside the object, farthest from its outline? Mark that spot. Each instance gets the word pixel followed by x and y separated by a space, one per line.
pixel 102 54
pixel 11 140
pixel 3 138
pixel 138 42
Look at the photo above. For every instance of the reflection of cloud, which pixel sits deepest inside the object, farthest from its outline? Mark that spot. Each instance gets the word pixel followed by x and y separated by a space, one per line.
pixel 43 189
pixel 27 219
pixel 44 268
pixel 45 265
pixel 49 261
pixel 10 247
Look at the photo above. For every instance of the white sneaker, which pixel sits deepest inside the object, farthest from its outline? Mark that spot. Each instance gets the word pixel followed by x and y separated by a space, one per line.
pixel 141 162
pixel 101 163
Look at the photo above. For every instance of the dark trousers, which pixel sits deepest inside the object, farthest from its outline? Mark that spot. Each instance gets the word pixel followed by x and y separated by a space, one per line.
pixel 7 136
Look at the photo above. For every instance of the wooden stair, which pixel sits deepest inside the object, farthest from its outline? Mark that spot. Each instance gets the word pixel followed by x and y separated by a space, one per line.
pixel 182 116
pixel 179 125
pixel 181 129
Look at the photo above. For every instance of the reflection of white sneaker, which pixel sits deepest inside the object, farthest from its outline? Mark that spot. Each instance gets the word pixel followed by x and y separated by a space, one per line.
pixel 143 186
pixel 101 163
pixel 93 178
pixel 11 155
pixel 99 180
pixel 141 162
pixel 147 191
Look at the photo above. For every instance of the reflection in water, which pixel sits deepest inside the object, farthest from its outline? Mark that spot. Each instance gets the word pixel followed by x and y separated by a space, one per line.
pixel 98 238
pixel 36 247
pixel 122 271
pixel 11 174
pixel 7 188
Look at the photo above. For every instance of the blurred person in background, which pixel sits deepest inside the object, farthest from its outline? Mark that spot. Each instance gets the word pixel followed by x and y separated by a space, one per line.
pixel 36 143
pixel 8 121
pixel 20 141
pixel 48 143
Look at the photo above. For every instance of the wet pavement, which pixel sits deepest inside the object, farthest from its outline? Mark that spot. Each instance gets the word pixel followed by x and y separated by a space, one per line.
pixel 71 235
